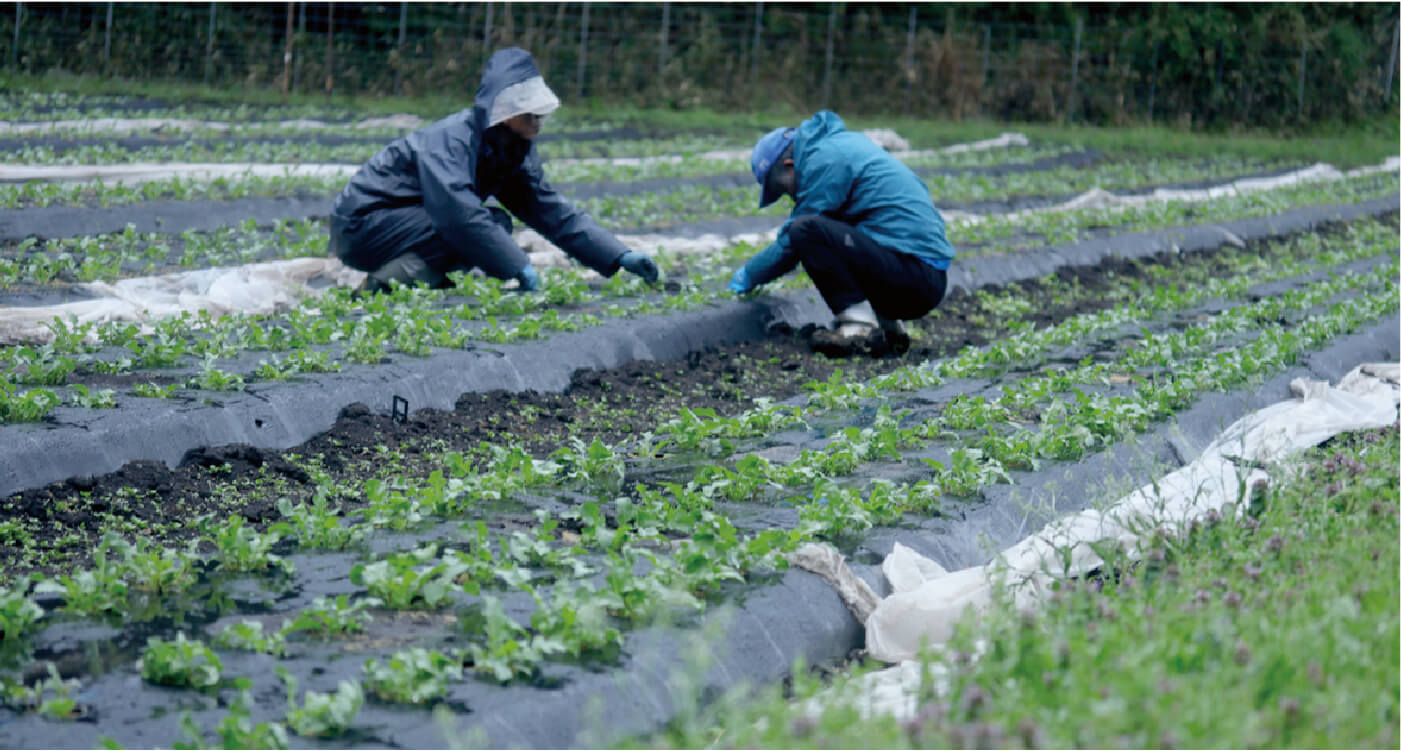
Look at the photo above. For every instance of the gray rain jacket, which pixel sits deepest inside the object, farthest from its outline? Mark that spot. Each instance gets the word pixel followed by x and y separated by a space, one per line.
pixel 450 168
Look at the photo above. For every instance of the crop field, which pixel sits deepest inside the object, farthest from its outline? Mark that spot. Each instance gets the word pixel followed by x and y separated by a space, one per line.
pixel 474 516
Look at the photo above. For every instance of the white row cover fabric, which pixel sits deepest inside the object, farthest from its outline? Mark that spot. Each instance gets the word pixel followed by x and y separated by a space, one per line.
pixel 140 172
pixel 887 139
pixel 257 288
pixel 1096 198
pixel 120 126
pixel 927 601
pixel 145 172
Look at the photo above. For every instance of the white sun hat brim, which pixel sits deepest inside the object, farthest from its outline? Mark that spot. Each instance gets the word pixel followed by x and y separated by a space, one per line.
pixel 529 96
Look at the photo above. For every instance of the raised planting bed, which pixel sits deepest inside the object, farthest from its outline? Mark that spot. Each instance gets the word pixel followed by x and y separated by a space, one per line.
pixel 275 381
pixel 529 559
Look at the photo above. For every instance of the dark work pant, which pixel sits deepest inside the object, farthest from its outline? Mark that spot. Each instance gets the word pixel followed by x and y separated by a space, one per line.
pixel 848 266
pixel 370 241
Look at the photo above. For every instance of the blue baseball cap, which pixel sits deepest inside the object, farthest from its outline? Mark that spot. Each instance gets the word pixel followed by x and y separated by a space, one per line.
pixel 766 152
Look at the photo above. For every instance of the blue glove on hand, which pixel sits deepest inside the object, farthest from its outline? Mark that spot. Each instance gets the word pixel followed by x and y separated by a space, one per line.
pixel 529 279
pixel 739 283
pixel 640 264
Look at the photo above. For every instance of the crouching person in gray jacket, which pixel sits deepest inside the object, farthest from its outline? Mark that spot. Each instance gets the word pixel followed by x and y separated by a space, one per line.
pixel 415 211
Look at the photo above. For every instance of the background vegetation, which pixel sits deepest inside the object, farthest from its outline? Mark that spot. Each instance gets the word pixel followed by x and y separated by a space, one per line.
pixel 1276 65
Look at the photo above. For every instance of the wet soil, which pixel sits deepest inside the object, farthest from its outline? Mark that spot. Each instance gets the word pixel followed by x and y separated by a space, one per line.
pixel 64 520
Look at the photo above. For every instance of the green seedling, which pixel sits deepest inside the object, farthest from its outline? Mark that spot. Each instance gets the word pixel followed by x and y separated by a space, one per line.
pixel 405 581
pixel 508 652
pixel 101 589
pixel 321 715
pixel 102 399
pixel 411 676
pixel 49 697
pixel 315 524
pixel 242 548
pixel 236 729
pixel 17 613
pixel 146 568
pixel 249 635
pixel 181 662
pixel 336 617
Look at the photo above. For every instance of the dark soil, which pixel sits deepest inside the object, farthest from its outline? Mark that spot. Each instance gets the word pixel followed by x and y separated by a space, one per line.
pixel 64 519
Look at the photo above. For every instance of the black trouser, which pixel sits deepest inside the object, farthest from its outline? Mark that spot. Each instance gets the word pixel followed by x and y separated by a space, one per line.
pixel 848 266
pixel 371 241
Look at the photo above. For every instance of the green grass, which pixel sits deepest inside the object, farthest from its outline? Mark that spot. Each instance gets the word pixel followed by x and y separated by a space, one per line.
pixel 1279 629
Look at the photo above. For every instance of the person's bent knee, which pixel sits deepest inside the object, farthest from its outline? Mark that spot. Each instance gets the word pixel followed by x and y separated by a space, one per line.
pixel 805 231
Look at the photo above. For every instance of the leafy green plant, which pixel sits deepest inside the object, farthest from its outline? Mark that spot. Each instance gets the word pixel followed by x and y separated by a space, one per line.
pixel 236 729
pixel 243 548
pixel 49 697
pixel 146 568
pixel 181 662
pixel 97 590
pixel 17 612
pixel 507 651
pixel 333 617
pixel 320 714
pixel 82 397
pixel 250 636
pixel 408 580
pixel 316 524
pixel 411 676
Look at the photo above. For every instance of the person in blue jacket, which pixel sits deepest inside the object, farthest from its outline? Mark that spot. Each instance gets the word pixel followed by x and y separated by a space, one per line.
pixel 416 210
pixel 863 226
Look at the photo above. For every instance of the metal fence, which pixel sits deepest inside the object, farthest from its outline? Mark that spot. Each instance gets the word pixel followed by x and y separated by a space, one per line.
pixel 917 59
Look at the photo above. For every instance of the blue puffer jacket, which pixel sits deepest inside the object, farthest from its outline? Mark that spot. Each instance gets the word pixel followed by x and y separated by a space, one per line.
pixel 846 176
pixel 453 165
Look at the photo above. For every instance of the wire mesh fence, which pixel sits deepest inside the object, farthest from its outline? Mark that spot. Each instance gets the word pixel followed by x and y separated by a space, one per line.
pixel 917 59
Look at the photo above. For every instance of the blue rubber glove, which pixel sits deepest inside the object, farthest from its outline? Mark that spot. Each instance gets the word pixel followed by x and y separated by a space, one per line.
pixel 739 283
pixel 529 279
pixel 640 264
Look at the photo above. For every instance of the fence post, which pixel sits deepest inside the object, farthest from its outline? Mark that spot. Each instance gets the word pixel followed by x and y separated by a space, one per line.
pixel 107 40
pixel 330 48
pixel 1153 80
pixel 754 52
pixel 910 59
pixel 583 51
pixel 486 35
pixel 209 48
pixel 666 26
pixel 301 31
pixel 1074 71
pixel 987 54
pixel 1391 60
pixel 827 74
pixel 287 54
pixel 403 31
pixel 1303 71
pixel 19 19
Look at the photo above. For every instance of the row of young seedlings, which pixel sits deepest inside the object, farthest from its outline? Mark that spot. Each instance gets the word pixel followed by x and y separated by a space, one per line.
pixel 422 577
pixel 109 257
pixel 325 333
pixel 412 321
